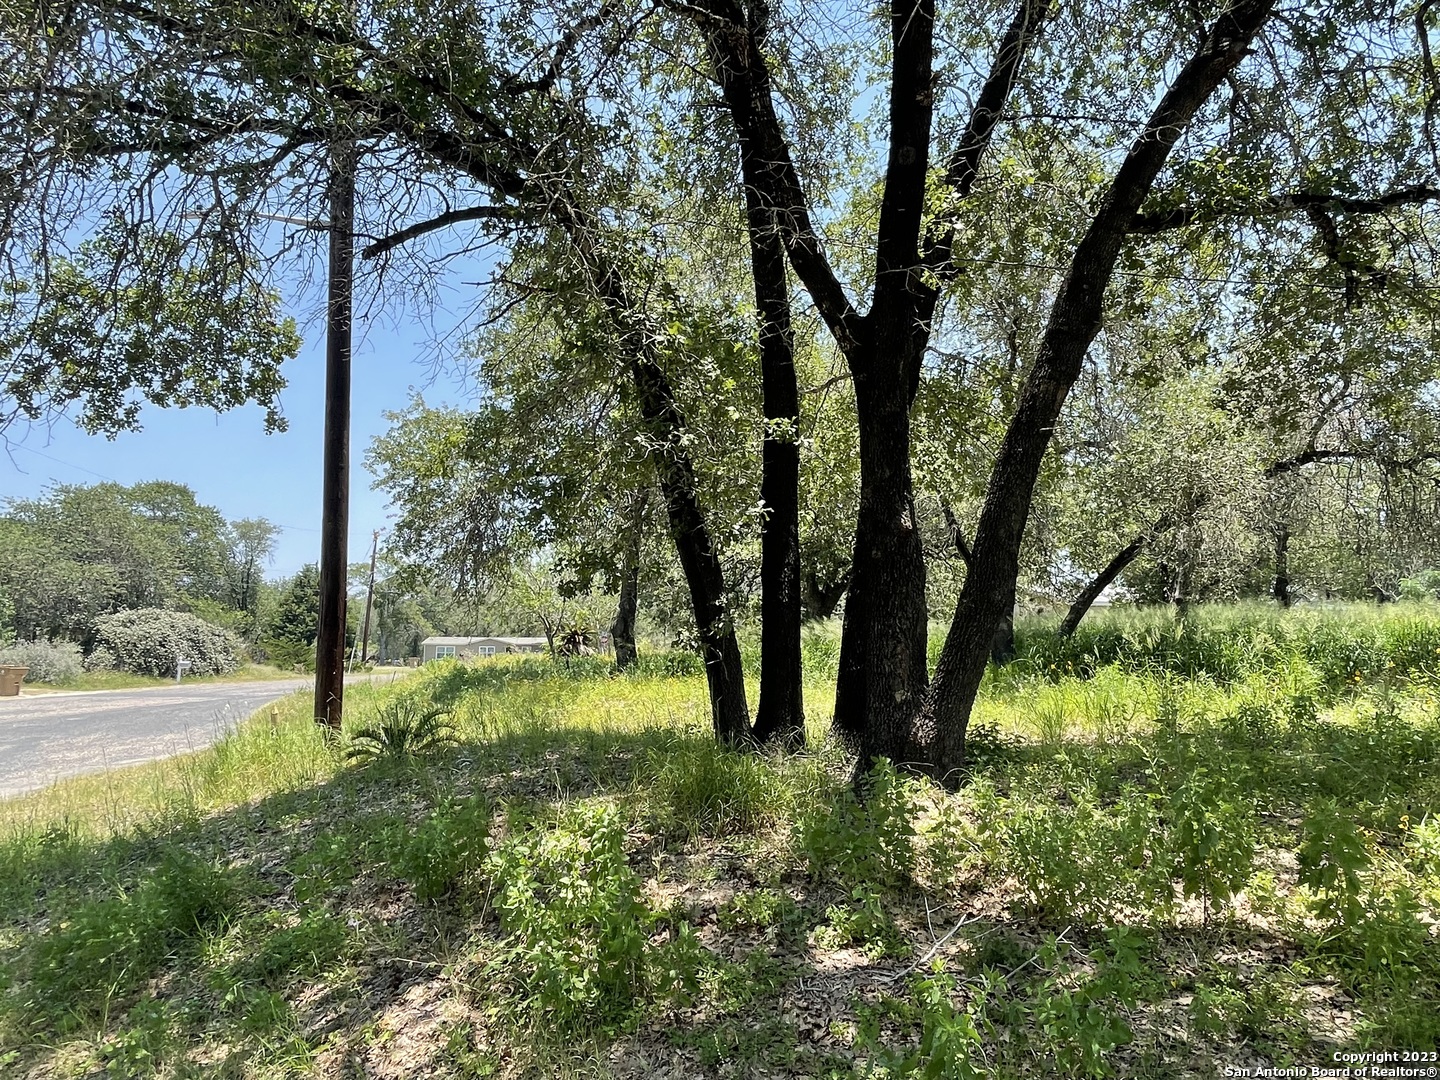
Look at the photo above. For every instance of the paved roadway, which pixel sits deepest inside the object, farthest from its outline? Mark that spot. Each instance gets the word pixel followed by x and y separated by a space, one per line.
pixel 46 737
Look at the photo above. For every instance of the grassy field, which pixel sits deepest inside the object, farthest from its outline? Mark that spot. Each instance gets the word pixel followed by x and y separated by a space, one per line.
pixel 125 680
pixel 1180 848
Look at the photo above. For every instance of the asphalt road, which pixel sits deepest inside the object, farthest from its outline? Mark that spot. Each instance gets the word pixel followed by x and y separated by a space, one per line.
pixel 47 737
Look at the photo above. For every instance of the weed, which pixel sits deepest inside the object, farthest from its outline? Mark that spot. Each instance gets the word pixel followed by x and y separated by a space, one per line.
pixel 105 948
pixel 859 843
pixel 694 787
pixel 863 922
pixel 570 908
pixel 1212 836
pixel 1332 855
pixel 445 849
pixel 303 950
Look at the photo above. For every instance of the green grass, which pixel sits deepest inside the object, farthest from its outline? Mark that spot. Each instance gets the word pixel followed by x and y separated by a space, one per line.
pixel 124 680
pixel 1165 859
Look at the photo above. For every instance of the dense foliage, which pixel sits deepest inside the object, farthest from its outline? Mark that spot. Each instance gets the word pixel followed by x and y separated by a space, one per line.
pixel 153 641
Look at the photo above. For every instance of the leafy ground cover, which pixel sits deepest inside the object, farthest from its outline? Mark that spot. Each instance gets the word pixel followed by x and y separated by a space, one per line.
pixel 526 869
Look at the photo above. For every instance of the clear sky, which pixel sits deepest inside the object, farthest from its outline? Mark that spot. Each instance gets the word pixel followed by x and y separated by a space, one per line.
pixel 229 461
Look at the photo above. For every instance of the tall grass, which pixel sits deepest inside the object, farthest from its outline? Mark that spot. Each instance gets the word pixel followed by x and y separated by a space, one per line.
pixel 1342 644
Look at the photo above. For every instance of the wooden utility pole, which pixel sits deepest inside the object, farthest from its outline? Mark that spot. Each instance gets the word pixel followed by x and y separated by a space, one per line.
pixel 335 494
pixel 369 598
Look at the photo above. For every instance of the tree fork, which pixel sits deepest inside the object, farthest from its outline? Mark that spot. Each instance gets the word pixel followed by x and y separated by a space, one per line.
pixel 1074 321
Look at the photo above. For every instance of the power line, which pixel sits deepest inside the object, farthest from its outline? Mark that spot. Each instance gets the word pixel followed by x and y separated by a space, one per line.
pixel 67 464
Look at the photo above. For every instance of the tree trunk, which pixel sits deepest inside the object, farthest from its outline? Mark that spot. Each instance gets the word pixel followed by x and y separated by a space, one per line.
pixel 1102 581
pixel 780 717
pixel 704 576
pixel 1281 590
pixel 819 600
pixel 1074 321
pixel 622 630
pixel 883 637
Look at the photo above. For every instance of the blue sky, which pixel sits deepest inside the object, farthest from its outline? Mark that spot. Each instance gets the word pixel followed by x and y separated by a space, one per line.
pixel 231 463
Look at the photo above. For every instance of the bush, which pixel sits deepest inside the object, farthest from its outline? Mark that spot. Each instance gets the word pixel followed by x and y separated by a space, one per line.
pixel 148 641
pixel 447 847
pixel 869 843
pixel 576 929
pixel 48 661
pixel 100 659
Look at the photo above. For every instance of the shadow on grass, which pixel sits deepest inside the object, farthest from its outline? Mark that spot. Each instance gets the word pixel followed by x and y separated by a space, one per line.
pixel 292 926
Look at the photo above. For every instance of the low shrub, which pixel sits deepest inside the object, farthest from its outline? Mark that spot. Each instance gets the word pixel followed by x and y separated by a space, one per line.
pixel 444 849
pixel 402 729
pixel 864 843
pixel 49 661
pixel 149 641
pixel 575 927
pixel 100 659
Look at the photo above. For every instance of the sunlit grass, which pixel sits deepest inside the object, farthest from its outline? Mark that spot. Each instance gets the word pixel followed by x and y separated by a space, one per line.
pixel 124 680
pixel 1126 832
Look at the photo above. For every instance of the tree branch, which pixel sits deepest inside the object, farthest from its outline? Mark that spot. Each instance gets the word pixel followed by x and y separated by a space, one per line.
pixel 744 78
pixel 963 166
pixel 440 221
pixel 1289 203
pixel 1323 454
pixel 957 534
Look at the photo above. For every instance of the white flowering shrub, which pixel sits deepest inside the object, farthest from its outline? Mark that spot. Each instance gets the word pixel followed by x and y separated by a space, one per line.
pixel 148 641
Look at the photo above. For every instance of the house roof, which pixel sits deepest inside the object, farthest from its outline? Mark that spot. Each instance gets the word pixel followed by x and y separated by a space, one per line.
pixel 483 640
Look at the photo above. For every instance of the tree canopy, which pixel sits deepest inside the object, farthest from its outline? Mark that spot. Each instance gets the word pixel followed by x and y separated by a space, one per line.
pixel 1095 277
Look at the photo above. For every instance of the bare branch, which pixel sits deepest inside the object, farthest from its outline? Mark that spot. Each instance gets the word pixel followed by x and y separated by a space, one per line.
pixel 440 221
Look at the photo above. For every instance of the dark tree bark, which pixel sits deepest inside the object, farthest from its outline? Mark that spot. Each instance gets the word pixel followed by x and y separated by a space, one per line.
pixel 1074 321
pixel 780 717
pixel 622 630
pixel 883 641
pixel 1281 589
pixel 820 599
pixel 1102 581
pixel 704 576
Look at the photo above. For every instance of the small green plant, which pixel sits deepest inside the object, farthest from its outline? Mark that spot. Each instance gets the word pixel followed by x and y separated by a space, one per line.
pixel 1212 836
pixel 673 969
pixel 769 910
pixel 139 1047
pixel 862 922
pixel 104 948
pixel 472 1062
pixel 858 843
pixel 1333 854
pixel 448 846
pixel 950 1046
pixel 575 927
pixel 403 729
